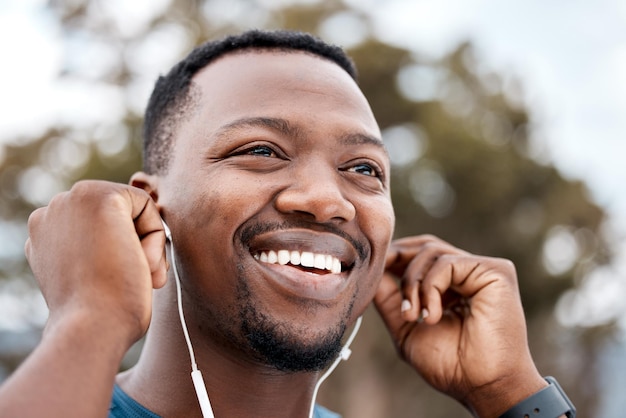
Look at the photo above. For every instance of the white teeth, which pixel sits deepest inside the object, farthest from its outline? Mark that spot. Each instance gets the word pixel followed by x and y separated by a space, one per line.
pixel 320 261
pixel 328 262
pixel 283 257
pixel 305 259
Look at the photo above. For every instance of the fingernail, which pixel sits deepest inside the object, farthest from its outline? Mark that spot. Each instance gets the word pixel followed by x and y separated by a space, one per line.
pixel 406 305
pixel 425 313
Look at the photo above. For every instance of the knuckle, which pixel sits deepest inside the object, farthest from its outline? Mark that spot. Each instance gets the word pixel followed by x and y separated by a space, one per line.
pixel 57 200
pixel 447 259
pixel 83 187
pixel 507 269
pixel 430 246
pixel 431 240
pixel 34 217
pixel 506 264
pixel 102 195
pixel 27 247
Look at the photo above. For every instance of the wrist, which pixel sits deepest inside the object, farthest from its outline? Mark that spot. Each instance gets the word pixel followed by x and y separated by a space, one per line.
pixel 77 358
pixel 549 402
pixel 494 399
pixel 91 333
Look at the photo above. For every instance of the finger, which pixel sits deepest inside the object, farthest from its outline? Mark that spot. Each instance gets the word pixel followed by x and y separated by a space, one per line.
pixel 429 251
pixel 466 276
pixel 144 212
pixel 159 278
pixel 394 267
pixel 401 252
pixel 411 306
pixel 410 259
pixel 27 249
pixel 388 302
pixel 149 228
pixel 33 222
pixel 153 246
pixel 433 287
pixel 426 247
pixel 449 272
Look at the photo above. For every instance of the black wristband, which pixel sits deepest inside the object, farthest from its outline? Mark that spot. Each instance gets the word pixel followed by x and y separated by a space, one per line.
pixel 549 402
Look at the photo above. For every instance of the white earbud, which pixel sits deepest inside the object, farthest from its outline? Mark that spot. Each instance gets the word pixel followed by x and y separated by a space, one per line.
pixel 343 355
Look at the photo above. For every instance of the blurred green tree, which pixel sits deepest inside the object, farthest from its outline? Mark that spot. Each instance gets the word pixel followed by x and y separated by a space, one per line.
pixel 464 167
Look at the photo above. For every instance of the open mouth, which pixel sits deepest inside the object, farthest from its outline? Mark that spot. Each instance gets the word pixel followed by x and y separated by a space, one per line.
pixel 317 263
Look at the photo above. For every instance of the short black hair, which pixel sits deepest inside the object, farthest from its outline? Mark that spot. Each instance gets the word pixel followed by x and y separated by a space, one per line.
pixel 173 95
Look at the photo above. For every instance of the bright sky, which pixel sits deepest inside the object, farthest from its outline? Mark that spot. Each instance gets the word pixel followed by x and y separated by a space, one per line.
pixel 569 54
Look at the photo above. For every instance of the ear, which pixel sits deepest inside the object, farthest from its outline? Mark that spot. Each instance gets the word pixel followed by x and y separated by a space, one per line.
pixel 147 182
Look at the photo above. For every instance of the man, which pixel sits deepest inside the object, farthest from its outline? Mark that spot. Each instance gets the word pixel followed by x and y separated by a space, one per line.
pixel 263 157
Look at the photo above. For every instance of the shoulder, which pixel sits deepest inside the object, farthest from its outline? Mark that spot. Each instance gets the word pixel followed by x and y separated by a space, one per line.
pixel 321 412
pixel 123 406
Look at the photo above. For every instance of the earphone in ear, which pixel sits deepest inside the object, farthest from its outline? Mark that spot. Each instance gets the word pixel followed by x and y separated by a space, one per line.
pixel 196 375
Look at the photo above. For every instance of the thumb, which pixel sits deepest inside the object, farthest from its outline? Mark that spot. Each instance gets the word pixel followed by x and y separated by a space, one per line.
pixel 149 228
pixel 153 246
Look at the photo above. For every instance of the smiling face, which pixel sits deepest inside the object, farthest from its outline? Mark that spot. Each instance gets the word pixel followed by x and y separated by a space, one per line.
pixel 277 195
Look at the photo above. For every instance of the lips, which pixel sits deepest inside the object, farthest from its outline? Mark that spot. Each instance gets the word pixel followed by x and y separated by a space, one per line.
pixel 304 263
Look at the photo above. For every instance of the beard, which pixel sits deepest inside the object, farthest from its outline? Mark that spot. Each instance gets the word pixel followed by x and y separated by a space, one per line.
pixel 280 344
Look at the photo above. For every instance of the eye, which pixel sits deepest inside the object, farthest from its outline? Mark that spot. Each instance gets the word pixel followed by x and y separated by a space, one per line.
pixel 365 169
pixel 260 151
pixel 257 151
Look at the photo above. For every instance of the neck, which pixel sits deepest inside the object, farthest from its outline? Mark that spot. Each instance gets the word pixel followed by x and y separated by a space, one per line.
pixel 237 384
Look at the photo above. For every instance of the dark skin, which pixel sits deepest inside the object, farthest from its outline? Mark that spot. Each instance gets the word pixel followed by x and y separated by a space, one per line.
pixel 294 144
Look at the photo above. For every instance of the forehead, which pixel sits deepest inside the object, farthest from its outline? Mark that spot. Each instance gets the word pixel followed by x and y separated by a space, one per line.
pixel 299 87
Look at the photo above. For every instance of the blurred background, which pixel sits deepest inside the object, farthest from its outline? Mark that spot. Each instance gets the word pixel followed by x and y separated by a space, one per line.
pixel 505 122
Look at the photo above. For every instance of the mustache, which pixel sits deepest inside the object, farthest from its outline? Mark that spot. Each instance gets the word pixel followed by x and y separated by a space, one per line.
pixel 250 231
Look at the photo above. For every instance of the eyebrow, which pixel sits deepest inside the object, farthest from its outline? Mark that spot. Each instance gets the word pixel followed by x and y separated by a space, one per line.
pixel 276 124
pixel 362 139
pixel 286 128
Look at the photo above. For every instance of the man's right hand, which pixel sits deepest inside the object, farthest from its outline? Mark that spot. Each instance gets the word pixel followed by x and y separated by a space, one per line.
pixel 97 251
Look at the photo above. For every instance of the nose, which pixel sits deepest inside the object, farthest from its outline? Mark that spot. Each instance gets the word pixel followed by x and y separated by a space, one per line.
pixel 315 189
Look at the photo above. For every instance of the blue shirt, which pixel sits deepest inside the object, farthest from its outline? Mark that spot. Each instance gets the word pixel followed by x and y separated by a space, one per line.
pixel 123 406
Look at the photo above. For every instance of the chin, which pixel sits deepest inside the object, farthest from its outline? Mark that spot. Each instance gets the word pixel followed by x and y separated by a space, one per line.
pixel 288 345
pixel 290 353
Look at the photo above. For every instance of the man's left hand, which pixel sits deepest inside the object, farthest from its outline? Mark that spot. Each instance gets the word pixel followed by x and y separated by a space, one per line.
pixel 457 319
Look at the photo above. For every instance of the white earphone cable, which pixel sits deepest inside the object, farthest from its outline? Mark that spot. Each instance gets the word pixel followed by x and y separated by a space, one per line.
pixel 343 355
pixel 196 374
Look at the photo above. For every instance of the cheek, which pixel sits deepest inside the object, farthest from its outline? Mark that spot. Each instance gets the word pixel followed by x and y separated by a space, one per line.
pixel 377 223
pixel 211 219
pixel 219 202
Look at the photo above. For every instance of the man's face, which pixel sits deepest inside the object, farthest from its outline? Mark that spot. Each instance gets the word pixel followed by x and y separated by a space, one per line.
pixel 278 200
